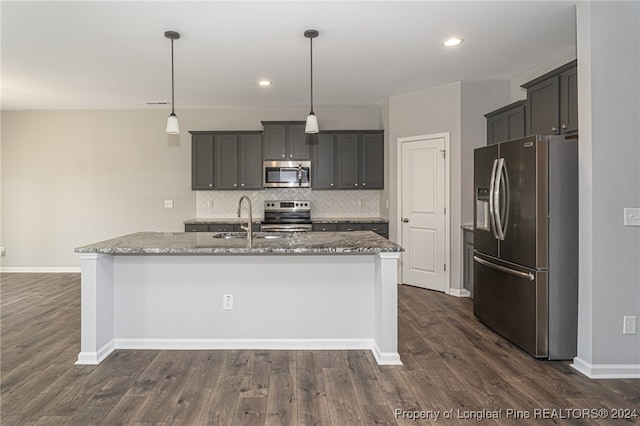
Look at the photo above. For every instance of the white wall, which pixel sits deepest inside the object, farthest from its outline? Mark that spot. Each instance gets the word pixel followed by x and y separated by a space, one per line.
pixel 609 173
pixel 75 177
pixel 424 112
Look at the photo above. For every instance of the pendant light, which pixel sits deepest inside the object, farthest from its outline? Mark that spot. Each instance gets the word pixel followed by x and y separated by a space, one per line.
pixel 312 120
pixel 173 127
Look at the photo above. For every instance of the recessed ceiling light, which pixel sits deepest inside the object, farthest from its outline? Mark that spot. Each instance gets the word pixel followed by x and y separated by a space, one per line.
pixel 264 83
pixel 453 41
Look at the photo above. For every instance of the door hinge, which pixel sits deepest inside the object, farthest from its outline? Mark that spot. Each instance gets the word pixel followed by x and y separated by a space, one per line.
pixel 444 153
pixel 445 267
pixel 445 210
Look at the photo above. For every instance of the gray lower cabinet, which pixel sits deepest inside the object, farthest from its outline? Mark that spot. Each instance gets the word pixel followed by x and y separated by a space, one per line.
pixel 325 227
pixel 467 269
pixel 286 140
pixel 238 161
pixel 552 102
pixel 380 228
pixel 348 160
pixel 217 227
pixel 506 123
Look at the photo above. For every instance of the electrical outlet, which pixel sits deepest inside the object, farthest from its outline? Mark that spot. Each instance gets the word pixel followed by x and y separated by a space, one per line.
pixel 210 204
pixel 227 302
pixel 168 204
pixel 629 325
pixel 2 251
pixel 361 202
pixel 631 216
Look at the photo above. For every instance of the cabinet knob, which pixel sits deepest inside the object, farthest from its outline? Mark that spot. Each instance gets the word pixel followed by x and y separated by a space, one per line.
pixel 355 184
pixel 242 184
pixel 564 126
pixel 363 183
pixel 331 184
pixel 554 129
pixel 282 155
pixel 290 155
pixel 235 184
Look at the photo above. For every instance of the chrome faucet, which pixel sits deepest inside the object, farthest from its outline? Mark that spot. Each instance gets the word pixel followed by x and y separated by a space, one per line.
pixel 249 223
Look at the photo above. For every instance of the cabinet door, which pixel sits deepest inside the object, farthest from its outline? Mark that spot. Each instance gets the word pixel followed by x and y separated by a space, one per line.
pixel 349 227
pixel 543 101
pixel 250 161
pixel 371 161
pixel 379 228
pixel 515 122
pixel 347 174
pixel 275 142
pixel 221 227
pixel 323 165
pixel 569 101
pixel 226 161
pixel 196 227
pixel 496 129
pixel 297 143
pixel 325 227
pixel 202 162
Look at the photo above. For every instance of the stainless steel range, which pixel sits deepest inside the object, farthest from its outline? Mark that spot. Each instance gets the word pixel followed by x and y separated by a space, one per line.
pixel 287 216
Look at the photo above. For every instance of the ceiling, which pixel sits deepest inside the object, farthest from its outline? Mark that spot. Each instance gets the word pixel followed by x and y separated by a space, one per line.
pixel 113 55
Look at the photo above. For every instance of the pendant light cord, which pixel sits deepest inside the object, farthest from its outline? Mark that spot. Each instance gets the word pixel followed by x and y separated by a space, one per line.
pixel 172 85
pixel 311 40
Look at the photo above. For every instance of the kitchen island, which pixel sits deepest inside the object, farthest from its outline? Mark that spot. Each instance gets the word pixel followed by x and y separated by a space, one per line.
pixel 329 290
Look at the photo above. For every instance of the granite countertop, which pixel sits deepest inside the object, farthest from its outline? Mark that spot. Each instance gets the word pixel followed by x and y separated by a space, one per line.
pixel 208 220
pixel 349 220
pixel 317 220
pixel 195 243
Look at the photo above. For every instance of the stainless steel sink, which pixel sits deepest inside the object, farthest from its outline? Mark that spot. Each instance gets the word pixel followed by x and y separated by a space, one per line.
pixel 243 235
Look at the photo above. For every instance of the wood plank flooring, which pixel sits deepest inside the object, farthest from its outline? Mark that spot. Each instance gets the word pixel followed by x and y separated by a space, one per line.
pixel 452 364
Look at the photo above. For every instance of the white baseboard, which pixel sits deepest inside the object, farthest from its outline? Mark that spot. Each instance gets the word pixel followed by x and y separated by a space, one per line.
pixel 606 371
pixel 40 269
pixel 385 358
pixel 459 292
pixel 232 344
pixel 95 358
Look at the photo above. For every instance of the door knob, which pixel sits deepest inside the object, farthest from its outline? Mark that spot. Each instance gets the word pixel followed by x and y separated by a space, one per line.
pixel 405 220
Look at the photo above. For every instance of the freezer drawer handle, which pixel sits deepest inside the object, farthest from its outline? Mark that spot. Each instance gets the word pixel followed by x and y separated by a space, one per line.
pixel 527 275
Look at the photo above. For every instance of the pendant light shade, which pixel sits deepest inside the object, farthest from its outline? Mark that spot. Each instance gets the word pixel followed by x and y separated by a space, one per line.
pixel 173 126
pixel 312 120
pixel 312 124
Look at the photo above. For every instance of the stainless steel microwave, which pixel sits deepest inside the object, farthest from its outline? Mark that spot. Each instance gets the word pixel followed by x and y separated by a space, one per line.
pixel 287 174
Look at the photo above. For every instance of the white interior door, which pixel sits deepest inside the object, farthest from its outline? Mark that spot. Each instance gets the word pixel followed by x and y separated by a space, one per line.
pixel 423 191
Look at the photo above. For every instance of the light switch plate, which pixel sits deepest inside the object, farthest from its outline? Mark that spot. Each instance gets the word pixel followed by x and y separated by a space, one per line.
pixel 168 204
pixel 631 216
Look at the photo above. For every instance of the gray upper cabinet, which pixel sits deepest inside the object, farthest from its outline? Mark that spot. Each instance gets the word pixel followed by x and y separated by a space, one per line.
pixel 552 102
pixel 226 160
pixel 285 140
pixel 506 123
pixel 348 160
pixel 371 161
pixel 238 161
pixel 323 166
pixel 202 161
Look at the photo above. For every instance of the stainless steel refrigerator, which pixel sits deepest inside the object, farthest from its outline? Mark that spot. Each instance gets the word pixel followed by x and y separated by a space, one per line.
pixel 526 243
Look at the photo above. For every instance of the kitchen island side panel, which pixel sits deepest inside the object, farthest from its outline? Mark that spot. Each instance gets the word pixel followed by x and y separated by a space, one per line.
pixel 274 297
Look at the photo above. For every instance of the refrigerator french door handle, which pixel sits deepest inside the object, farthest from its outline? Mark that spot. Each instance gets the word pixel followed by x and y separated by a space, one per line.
pixel 492 207
pixel 496 199
pixel 527 275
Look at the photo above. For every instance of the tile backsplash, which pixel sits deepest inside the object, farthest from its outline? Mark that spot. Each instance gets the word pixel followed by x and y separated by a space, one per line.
pixel 324 204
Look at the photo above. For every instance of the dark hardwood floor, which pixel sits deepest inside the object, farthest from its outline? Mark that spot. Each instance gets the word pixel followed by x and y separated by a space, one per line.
pixel 453 366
